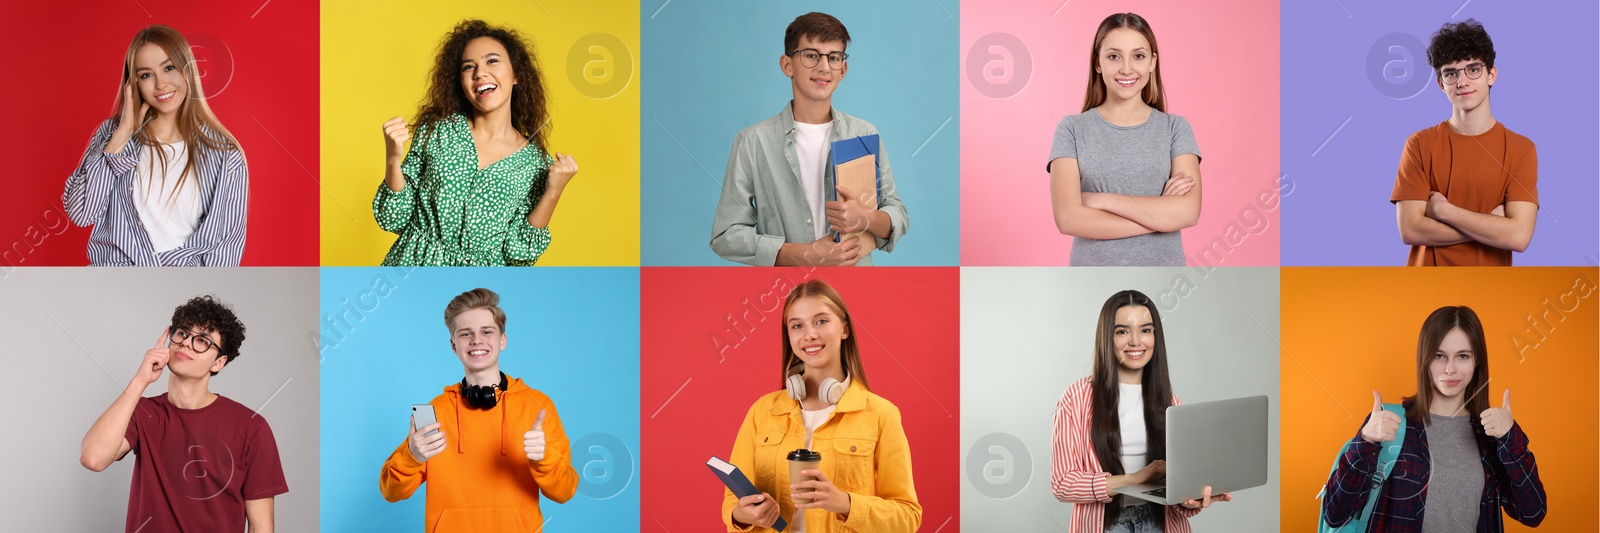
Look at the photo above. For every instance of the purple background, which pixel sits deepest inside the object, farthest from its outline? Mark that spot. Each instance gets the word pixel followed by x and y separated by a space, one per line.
pixel 1336 203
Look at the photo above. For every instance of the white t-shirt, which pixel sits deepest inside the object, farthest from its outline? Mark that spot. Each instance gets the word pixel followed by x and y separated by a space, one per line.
pixel 813 420
pixel 1130 413
pixel 811 149
pixel 167 212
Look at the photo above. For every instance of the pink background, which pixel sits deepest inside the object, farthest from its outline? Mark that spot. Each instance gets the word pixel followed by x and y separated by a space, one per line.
pixel 1219 64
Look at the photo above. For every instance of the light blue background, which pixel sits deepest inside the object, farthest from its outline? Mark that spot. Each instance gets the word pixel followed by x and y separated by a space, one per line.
pixel 572 333
pixel 710 69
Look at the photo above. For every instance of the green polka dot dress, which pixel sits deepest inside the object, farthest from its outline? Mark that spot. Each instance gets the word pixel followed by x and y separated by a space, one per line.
pixel 452 214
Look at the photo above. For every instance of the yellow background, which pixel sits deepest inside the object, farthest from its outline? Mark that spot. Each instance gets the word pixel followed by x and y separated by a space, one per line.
pixel 375 62
pixel 1348 331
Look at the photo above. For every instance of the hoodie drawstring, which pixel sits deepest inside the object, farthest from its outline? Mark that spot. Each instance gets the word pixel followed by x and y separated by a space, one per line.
pixel 460 437
pixel 501 405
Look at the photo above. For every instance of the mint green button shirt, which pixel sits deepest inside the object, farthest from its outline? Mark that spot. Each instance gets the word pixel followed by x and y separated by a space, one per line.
pixel 763 203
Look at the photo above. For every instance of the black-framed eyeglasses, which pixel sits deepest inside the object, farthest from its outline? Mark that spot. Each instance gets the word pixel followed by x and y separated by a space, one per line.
pixel 1473 71
pixel 199 343
pixel 809 57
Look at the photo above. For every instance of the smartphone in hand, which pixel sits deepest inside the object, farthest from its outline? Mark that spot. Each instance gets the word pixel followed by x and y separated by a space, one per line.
pixel 422 415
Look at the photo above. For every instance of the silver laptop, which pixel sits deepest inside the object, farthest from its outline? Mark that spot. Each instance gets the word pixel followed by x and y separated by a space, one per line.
pixel 1219 444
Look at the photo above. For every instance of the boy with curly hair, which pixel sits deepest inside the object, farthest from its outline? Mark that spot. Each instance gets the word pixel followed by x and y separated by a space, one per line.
pixel 1467 189
pixel 203 462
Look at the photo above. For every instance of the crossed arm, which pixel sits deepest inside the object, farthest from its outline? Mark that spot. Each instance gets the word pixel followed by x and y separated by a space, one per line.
pixel 1437 222
pixel 1116 216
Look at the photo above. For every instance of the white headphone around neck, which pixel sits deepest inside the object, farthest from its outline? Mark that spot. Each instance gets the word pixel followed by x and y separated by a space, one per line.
pixel 832 390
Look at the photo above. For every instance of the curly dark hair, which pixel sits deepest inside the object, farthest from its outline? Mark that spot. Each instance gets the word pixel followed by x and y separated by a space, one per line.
pixel 445 96
pixel 205 312
pixel 1458 42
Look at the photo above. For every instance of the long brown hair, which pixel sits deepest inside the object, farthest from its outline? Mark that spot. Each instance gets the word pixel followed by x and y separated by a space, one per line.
pixel 197 125
pixel 1096 93
pixel 1434 329
pixel 1105 429
pixel 849 353
pixel 445 96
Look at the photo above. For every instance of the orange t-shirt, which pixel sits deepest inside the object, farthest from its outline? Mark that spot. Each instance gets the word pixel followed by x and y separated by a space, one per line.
pixel 1476 172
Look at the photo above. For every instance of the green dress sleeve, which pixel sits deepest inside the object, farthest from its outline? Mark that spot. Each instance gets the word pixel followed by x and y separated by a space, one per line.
pixel 393 209
pixel 526 243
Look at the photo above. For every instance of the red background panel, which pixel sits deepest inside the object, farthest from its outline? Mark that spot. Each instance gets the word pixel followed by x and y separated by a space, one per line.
pixel 259 65
pixel 709 347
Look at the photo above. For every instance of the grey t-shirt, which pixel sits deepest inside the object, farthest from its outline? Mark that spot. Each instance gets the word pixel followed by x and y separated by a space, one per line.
pixel 1130 160
pixel 1455 479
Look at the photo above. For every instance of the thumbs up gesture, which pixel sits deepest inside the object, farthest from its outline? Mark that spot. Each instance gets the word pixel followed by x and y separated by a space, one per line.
pixel 533 440
pixel 1497 420
pixel 1382 425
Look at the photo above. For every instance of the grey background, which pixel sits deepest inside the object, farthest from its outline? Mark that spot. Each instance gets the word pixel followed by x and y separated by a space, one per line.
pixel 1027 333
pixel 72 339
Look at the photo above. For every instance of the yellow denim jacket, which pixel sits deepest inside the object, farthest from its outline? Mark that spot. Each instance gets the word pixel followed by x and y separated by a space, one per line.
pixel 864 452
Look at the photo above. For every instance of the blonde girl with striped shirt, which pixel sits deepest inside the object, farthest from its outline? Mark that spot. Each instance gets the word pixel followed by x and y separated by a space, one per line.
pixel 162 181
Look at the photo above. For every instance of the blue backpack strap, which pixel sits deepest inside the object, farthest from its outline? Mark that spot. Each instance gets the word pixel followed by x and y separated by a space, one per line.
pixel 1388 455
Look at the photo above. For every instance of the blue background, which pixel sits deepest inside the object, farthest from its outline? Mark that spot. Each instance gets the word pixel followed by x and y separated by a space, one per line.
pixel 710 69
pixel 1338 211
pixel 572 333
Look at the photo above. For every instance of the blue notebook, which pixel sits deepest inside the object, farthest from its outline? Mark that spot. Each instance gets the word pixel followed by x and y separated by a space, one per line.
pixel 850 150
pixel 736 482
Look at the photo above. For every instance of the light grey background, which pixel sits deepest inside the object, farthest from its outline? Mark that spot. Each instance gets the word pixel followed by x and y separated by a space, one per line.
pixel 72 339
pixel 1028 333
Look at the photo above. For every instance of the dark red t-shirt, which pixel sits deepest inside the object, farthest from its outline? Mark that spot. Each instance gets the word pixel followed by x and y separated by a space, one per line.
pixel 195 468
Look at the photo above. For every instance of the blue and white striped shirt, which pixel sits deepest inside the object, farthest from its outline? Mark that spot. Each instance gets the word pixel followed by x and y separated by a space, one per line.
pixel 100 193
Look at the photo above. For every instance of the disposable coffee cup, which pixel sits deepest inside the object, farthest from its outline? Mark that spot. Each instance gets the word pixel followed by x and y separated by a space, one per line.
pixel 802 459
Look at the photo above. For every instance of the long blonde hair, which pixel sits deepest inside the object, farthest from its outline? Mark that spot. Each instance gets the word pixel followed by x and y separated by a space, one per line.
pixel 849 353
pixel 194 115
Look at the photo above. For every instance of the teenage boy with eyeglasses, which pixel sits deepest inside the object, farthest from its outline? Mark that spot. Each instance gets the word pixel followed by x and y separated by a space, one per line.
pixel 203 462
pixel 1466 193
pixel 774 208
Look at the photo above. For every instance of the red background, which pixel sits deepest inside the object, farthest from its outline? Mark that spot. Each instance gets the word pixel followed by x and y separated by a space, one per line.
pixel 907 320
pixel 62 82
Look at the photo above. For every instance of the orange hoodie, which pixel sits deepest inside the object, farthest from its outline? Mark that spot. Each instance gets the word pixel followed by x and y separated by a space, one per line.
pixel 483 481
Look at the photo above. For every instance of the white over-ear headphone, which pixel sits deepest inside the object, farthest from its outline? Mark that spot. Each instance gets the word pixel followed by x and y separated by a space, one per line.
pixel 832 390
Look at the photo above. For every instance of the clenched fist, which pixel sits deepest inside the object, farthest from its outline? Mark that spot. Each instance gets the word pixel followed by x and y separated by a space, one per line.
pixel 562 169
pixel 395 135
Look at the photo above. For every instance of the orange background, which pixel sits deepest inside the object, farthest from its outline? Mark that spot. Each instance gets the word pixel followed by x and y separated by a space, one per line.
pixel 1347 331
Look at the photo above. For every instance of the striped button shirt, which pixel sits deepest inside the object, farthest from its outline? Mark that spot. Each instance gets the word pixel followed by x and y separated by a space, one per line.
pixel 100 194
pixel 1075 473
